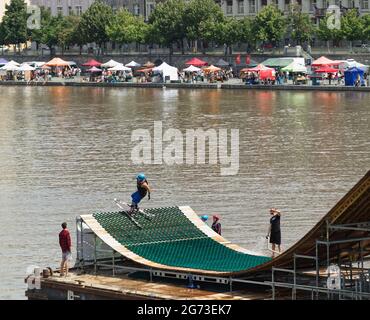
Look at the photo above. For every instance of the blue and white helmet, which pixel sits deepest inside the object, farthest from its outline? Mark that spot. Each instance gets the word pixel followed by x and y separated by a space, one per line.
pixel 141 177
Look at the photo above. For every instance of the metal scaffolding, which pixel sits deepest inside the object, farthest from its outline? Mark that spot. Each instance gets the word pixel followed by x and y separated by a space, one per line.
pixel 354 281
pixel 304 283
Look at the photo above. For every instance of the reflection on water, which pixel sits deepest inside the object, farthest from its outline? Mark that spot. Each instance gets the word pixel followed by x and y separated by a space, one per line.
pixel 66 151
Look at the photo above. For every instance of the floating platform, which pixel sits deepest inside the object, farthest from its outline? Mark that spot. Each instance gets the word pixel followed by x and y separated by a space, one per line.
pixel 175 248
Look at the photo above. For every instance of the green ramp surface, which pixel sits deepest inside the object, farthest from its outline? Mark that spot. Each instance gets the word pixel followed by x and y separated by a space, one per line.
pixel 171 239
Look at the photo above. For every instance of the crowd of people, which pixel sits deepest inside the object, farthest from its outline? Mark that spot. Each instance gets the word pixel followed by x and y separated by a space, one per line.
pixel 205 74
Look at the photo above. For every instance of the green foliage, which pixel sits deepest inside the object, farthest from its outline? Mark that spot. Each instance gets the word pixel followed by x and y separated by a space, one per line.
pixel 65 30
pixel 14 24
pixel 300 25
pixel 201 13
pixel 2 34
pixel 95 21
pixel 270 24
pixel 167 22
pixel 366 27
pixel 352 26
pixel 77 36
pixel 49 30
pixel 37 34
pixel 325 33
pixel 127 28
pixel 247 34
pixel 228 32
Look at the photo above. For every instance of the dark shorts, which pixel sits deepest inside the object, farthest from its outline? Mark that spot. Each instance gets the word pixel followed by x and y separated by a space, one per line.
pixel 275 238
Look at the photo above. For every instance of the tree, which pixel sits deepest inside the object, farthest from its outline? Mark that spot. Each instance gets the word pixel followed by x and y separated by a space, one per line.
pixel 225 32
pixel 270 25
pixel 65 30
pixel 15 23
pixel 50 32
pixel 167 23
pixel 326 32
pixel 94 23
pixel 300 25
pixel 198 14
pixel 36 35
pixel 352 26
pixel 247 34
pixel 2 35
pixel 366 27
pixel 127 28
pixel 77 37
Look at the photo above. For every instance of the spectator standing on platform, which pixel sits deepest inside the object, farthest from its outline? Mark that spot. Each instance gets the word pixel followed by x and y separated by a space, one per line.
pixel 65 244
pixel 216 225
pixel 274 232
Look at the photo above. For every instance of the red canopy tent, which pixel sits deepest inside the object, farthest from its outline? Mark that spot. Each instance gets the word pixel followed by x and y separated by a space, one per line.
pixel 196 62
pixel 92 63
pixel 263 71
pixel 324 61
pixel 326 69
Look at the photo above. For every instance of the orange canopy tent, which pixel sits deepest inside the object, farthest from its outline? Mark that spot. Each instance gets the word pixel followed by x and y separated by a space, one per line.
pixel 57 62
pixel 211 68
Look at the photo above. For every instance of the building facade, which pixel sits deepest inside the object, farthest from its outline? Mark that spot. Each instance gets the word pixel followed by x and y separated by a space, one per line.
pixel 231 8
pixel 64 7
pixel 316 8
pixel 136 7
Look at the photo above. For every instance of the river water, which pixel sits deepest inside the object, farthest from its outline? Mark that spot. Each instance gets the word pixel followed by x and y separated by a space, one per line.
pixel 67 151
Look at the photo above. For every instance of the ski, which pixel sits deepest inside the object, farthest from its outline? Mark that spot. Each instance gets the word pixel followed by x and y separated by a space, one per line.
pixel 146 215
pixel 127 214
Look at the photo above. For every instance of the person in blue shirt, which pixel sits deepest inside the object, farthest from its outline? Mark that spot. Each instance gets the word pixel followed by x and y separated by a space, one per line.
pixel 142 190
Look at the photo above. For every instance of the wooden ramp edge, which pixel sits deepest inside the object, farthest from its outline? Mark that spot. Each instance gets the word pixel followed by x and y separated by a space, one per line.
pixel 108 239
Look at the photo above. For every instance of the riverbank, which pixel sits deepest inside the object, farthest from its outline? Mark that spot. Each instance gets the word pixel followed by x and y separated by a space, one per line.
pixel 178 59
pixel 188 86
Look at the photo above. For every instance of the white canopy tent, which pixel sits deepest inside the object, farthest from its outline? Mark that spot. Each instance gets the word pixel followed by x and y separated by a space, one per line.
pixel 295 66
pixel 167 71
pixel 26 67
pixel 15 63
pixel 110 64
pixel 36 64
pixel 133 64
pixel 120 67
pixel 191 68
pixel 351 63
pixel 9 67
